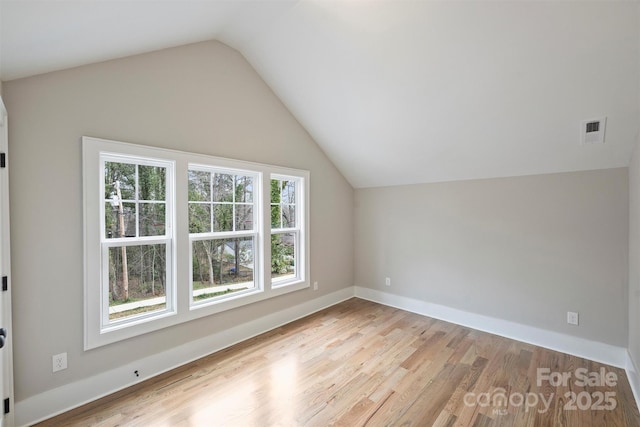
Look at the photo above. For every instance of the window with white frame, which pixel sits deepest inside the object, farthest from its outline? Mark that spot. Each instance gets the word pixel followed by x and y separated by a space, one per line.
pixel 136 238
pixel 172 236
pixel 285 229
pixel 223 233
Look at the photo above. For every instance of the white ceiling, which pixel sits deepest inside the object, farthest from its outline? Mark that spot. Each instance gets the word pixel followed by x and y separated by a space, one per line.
pixel 395 92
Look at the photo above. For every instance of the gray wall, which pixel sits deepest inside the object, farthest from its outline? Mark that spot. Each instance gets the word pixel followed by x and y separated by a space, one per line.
pixel 525 249
pixel 202 98
pixel 634 256
pixel 634 250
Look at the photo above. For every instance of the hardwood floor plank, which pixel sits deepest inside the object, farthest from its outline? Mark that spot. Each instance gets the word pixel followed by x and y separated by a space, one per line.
pixel 360 363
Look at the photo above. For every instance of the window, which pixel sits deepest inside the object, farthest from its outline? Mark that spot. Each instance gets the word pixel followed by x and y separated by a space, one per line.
pixel 223 233
pixel 136 239
pixel 285 230
pixel 172 236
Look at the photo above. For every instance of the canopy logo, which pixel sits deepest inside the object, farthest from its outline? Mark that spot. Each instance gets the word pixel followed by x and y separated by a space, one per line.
pixel 500 401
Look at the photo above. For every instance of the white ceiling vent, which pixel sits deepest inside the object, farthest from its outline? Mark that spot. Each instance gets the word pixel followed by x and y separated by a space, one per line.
pixel 592 131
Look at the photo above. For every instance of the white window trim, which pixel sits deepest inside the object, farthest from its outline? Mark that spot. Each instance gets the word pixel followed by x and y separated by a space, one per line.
pixel 168 239
pixel 183 310
pixel 300 228
pixel 256 233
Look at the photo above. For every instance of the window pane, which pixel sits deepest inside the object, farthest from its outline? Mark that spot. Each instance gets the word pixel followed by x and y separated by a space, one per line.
pixel 114 228
pixel 122 173
pixel 288 194
pixel 137 279
pixel 275 191
pixel 151 182
pixel 222 266
pixel 288 216
pixel 129 214
pixel 152 219
pixel 111 221
pixel 222 217
pixel 199 186
pixel 222 187
pixel 283 209
pixel 199 218
pixel 283 254
pixel 244 217
pixel 244 189
pixel 275 216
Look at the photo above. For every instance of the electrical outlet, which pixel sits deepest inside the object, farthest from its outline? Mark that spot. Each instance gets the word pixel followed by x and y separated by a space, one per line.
pixel 572 318
pixel 59 362
pixel 315 286
pixel 387 281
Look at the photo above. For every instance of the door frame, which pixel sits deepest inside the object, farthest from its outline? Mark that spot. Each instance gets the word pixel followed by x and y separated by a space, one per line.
pixel 5 270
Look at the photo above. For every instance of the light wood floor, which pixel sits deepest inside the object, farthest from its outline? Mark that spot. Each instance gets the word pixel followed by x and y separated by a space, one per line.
pixel 360 363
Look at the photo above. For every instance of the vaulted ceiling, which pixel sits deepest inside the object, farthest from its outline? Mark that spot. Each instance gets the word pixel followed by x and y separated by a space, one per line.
pixel 395 92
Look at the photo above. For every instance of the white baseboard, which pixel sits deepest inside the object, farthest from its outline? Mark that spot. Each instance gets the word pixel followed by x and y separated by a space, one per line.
pixel 633 375
pixel 53 402
pixel 592 350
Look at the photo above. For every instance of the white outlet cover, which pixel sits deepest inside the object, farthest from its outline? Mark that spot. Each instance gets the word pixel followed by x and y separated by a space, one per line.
pixel 572 318
pixel 59 362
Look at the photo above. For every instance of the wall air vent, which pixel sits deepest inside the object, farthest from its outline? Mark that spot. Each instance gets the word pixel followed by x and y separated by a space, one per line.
pixel 592 131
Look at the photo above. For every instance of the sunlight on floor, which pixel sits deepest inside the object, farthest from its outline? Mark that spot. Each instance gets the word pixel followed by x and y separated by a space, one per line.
pixel 233 407
pixel 284 379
